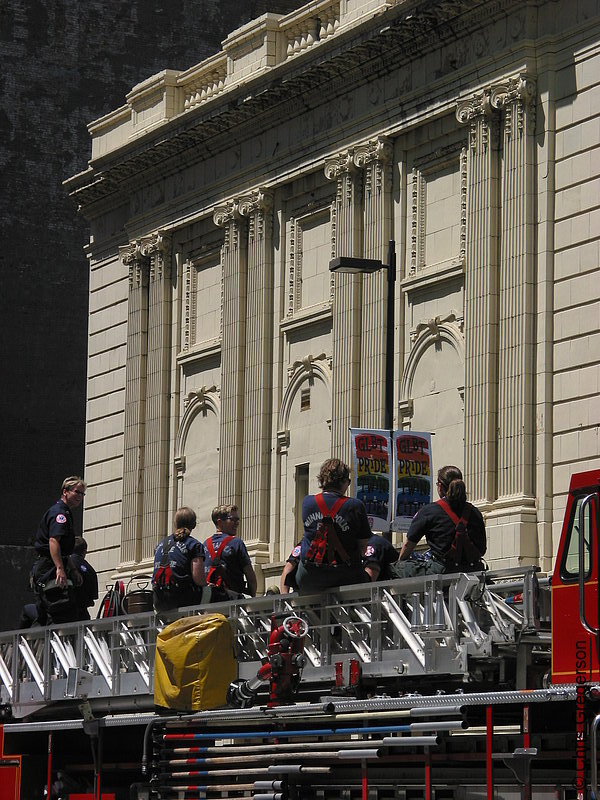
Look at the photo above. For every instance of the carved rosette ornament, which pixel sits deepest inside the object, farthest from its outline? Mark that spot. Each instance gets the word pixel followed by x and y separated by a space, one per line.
pixel 520 93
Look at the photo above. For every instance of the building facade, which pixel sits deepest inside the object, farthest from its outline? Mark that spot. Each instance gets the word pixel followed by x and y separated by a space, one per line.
pixel 226 362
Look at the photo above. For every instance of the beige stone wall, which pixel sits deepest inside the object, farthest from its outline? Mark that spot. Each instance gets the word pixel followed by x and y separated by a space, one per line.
pixel 226 363
pixel 575 116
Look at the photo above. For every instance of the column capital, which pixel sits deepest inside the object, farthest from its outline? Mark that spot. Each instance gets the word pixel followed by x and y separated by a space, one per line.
pixel 378 150
pixel 519 91
pixel 226 213
pixel 260 200
pixel 236 208
pixel 483 119
pixel 478 105
pixel 340 165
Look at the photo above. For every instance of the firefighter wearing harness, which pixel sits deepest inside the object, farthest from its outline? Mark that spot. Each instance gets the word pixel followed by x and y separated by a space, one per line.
pixel 228 566
pixel 454 529
pixel 178 574
pixel 336 532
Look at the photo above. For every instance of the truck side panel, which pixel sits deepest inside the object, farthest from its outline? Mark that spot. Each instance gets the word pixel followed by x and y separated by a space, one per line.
pixel 575 618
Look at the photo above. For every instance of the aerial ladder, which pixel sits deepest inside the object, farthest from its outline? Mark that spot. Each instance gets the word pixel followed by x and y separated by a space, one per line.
pixel 446 686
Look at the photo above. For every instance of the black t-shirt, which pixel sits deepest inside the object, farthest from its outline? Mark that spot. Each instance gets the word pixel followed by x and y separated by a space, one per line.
pixel 87 591
pixel 57 523
pixel 383 553
pixel 439 529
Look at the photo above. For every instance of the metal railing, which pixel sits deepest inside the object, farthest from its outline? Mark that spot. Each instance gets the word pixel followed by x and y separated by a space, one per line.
pixel 403 628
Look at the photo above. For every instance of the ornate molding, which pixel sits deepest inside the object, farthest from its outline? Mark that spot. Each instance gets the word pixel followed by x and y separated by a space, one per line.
pixel 188 307
pixel 254 208
pixel 307 364
pixel 308 368
pixel 179 463
pixel 194 402
pixel 406 410
pixel 435 326
pixel 200 396
pixel 449 329
pixel 158 248
pixel 423 168
pixel 377 151
pixel 283 441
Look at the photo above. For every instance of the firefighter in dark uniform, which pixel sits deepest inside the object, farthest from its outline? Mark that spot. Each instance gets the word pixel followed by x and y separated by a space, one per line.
pixel 53 573
pixel 178 575
pixel 379 556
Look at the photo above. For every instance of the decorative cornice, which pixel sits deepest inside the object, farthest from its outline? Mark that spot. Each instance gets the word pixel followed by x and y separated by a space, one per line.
pixel 259 102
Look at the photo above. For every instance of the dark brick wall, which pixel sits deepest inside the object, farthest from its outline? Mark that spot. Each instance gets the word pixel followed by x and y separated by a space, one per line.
pixel 64 63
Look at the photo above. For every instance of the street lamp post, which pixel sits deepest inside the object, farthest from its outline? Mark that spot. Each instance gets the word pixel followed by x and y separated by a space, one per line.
pixel 348 264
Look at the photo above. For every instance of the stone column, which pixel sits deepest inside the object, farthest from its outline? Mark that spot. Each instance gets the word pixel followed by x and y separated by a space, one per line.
pixel 516 513
pixel 156 429
pixel 481 297
pixel 346 305
pixel 258 372
pixel 134 257
pixel 516 414
pixel 375 159
pixel 234 257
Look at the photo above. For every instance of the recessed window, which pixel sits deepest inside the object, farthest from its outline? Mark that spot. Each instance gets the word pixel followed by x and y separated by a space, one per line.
pixel 304 399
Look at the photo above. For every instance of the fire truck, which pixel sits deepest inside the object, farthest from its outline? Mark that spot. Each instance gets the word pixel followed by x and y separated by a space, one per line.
pixel 482 685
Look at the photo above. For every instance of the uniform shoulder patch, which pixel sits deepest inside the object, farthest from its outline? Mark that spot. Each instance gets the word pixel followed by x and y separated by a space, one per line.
pixel 369 551
pixel 61 519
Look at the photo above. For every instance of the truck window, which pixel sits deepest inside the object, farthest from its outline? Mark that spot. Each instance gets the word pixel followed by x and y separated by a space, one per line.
pixel 569 569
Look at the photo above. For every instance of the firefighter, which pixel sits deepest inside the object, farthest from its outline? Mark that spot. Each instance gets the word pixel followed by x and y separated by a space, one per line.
pixel 228 566
pixel 54 574
pixel 441 524
pixel 178 574
pixel 336 532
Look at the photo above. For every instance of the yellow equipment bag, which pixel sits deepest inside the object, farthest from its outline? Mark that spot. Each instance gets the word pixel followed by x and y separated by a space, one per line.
pixel 194 663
